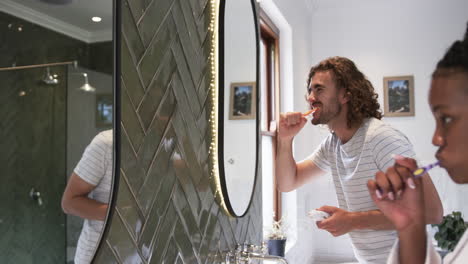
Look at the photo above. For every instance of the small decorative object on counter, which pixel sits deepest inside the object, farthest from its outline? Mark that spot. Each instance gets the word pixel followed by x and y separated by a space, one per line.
pixel 276 239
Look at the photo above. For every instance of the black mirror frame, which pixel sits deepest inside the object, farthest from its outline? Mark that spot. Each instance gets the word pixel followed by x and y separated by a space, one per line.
pixel 221 97
pixel 116 44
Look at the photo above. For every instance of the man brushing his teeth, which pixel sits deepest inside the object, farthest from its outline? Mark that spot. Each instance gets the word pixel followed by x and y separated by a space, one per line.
pixel 358 146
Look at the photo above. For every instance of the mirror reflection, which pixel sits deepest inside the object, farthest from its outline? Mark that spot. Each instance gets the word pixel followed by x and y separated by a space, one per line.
pixel 56 120
pixel 240 96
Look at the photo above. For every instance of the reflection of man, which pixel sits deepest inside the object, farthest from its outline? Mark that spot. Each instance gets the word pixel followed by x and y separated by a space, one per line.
pixel 87 193
pixel 358 146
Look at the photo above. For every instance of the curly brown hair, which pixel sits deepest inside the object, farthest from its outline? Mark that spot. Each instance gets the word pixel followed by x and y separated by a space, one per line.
pixel 363 99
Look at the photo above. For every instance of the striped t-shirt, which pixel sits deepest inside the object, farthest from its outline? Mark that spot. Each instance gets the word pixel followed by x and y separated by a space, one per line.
pixel 352 164
pixel 95 167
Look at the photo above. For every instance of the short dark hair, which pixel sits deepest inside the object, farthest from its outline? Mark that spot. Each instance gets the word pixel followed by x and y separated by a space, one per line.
pixel 455 60
pixel 363 99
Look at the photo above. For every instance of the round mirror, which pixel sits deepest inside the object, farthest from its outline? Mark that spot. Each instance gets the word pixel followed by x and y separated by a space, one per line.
pixel 238 118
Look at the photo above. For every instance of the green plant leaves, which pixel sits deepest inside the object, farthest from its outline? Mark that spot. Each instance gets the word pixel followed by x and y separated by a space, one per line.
pixel 450 231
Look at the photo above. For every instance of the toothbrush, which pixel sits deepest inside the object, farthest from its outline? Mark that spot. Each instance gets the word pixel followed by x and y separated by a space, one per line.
pixel 307 113
pixel 421 171
pixel 417 174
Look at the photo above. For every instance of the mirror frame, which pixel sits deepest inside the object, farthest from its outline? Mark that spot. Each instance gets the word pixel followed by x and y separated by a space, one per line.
pixel 217 95
pixel 116 111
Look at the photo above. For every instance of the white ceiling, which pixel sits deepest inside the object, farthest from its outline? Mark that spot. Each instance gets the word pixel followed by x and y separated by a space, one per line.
pixel 73 19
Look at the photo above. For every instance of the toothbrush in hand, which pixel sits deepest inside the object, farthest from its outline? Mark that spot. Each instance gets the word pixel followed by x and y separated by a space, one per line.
pixel 421 171
pixel 306 114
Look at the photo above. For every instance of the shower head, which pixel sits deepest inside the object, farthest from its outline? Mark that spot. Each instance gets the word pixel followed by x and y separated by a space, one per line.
pixel 86 87
pixel 49 78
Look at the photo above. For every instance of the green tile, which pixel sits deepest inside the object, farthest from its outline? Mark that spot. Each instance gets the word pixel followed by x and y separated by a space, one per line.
pixel 129 209
pixel 148 191
pixel 155 133
pixel 131 121
pixel 121 243
pixel 154 16
pixel 157 90
pixel 130 77
pixel 105 255
pixel 157 50
pixel 130 32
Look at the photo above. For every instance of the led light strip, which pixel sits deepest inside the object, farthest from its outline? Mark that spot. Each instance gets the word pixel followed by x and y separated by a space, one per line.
pixel 213 120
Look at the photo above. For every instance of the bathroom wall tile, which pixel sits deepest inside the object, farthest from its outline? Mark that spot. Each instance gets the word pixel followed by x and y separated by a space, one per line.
pixel 131 121
pixel 186 112
pixel 187 215
pixel 121 242
pixel 152 19
pixel 191 46
pixel 155 133
pixel 137 8
pixel 130 76
pixel 157 51
pixel 105 255
pixel 158 171
pixel 134 172
pixel 128 208
pixel 159 86
pixel 166 135
pixel 162 235
pixel 130 33
pixel 189 83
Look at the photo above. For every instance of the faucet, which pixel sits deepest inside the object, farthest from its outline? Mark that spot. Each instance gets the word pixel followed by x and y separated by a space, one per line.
pixel 244 254
pixel 266 257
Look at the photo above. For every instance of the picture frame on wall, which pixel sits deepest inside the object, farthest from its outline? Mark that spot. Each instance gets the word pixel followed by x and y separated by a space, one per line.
pixel 242 101
pixel 104 110
pixel 398 95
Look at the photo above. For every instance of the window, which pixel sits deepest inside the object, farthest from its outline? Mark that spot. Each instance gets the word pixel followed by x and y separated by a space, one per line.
pixel 269 101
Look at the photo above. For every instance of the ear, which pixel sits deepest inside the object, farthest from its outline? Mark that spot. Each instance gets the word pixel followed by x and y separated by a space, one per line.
pixel 345 96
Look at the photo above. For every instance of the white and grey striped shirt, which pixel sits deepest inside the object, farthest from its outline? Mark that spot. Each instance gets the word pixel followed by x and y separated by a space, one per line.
pixel 95 167
pixel 352 164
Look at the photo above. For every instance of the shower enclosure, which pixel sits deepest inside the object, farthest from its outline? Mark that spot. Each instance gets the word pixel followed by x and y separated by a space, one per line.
pixel 33 158
pixel 46 121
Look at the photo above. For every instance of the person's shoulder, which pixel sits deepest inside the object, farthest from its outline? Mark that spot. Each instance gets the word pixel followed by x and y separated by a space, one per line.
pixel 104 138
pixel 379 130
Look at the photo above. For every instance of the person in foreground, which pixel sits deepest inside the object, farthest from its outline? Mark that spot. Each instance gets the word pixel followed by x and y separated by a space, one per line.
pixel 448 98
pixel 87 193
pixel 359 145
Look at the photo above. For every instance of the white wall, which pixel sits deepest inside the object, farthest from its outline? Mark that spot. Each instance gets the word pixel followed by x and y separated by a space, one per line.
pixel 384 38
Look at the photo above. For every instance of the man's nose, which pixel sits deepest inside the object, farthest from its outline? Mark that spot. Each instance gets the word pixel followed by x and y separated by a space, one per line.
pixel 311 97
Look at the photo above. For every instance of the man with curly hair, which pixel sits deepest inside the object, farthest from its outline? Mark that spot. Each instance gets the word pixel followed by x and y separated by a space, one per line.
pixel 358 146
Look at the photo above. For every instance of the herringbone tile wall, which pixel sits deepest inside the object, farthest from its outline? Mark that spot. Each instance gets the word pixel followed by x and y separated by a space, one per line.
pixel 165 210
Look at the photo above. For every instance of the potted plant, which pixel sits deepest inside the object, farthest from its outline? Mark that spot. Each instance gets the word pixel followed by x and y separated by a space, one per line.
pixel 276 238
pixel 449 231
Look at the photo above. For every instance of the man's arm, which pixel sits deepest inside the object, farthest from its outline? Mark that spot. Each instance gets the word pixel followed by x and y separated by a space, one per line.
pixel 289 174
pixel 75 200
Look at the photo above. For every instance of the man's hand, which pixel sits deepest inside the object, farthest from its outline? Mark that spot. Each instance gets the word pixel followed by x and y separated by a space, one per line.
pixel 290 124
pixel 339 222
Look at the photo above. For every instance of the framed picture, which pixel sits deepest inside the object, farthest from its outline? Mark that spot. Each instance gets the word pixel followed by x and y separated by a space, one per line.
pixel 243 101
pixel 399 96
pixel 104 103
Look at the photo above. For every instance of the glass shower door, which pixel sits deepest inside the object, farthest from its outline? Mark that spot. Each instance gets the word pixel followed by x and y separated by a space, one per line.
pixel 33 164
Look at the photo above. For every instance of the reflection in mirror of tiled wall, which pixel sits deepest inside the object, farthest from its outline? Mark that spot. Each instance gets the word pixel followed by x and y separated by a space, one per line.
pixel 165 210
